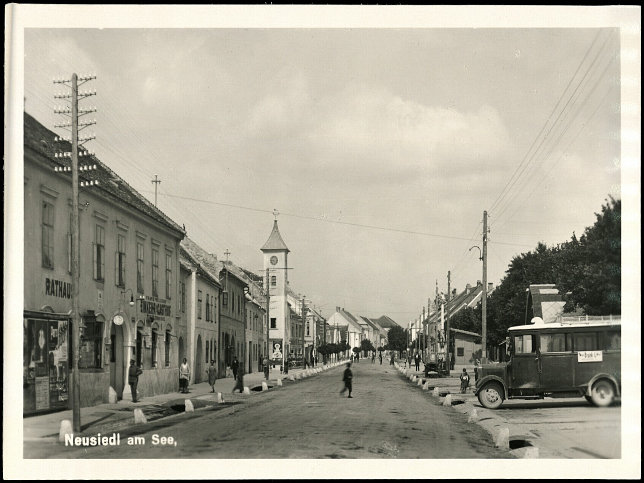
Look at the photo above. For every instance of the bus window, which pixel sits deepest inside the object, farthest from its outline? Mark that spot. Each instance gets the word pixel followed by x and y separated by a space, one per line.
pixel 553 343
pixel 568 342
pixel 613 341
pixel 524 344
pixel 585 341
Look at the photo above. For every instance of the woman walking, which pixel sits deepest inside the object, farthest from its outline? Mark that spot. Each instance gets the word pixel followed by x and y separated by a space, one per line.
pixel 212 375
pixel 184 376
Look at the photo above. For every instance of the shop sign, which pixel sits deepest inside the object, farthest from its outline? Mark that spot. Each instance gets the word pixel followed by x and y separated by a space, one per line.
pixel 156 307
pixel 58 288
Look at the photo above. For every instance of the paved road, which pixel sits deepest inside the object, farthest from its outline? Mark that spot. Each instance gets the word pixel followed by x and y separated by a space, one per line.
pixel 308 419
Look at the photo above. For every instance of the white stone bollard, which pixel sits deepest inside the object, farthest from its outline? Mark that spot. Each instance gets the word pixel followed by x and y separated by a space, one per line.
pixel 426 386
pixel 264 386
pixel 139 417
pixel 189 407
pixel 279 382
pixel 291 377
pixel 111 396
pixel 65 428
pixel 531 452
pixel 435 392
pixel 503 438
pixel 473 417
pixel 420 381
pixel 448 400
pixel 220 398
pixel 247 390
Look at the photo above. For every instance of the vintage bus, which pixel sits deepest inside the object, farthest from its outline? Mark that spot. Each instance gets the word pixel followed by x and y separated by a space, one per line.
pixel 574 356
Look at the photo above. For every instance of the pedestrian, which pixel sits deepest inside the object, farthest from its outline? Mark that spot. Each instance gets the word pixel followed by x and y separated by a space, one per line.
pixel 184 376
pixel 380 357
pixel 347 378
pixel 476 370
pixel 212 375
pixel 391 362
pixel 239 380
pixel 373 358
pixel 266 368
pixel 465 381
pixel 417 361
pixel 133 374
pixel 235 367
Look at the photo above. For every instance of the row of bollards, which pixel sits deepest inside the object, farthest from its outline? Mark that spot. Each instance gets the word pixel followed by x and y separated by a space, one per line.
pixel 501 435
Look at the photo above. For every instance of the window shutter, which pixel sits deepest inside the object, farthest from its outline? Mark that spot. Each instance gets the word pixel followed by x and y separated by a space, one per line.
pixel 124 268
pixel 116 269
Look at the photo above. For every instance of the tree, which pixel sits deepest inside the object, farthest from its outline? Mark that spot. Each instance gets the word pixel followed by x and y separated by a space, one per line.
pixel 366 346
pixel 397 337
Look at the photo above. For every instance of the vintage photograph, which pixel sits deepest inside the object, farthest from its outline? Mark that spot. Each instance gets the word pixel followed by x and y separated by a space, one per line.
pixel 262 236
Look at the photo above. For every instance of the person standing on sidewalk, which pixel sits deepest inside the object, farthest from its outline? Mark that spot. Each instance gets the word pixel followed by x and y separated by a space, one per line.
pixel 380 357
pixel 266 368
pixel 235 367
pixel 239 380
pixel 133 374
pixel 373 358
pixel 212 375
pixel 348 380
pixel 465 381
pixel 417 361
pixel 184 376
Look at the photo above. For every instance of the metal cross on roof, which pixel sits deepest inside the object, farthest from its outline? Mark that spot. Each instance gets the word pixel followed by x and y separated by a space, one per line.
pixel 275 213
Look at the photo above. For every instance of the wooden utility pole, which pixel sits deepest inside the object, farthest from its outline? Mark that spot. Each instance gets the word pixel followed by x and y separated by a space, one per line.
pixel 303 330
pixel 484 295
pixel 448 361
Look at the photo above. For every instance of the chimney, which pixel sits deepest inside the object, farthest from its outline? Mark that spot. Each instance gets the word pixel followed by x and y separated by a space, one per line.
pixel 478 283
pixel 468 287
pixel 337 309
pixel 490 286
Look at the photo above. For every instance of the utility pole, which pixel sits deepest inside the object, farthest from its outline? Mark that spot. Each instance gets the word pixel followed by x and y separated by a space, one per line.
pixel 268 318
pixel 449 296
pixel 156 182
pixel 484 296
pixel 303 329
pixel 75 142
pixel 425 333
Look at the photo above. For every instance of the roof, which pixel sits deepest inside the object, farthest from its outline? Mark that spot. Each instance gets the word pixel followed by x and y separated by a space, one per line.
pixel 206 262
pixel 466 332
pixel 275 241
pixel 467 298
pixel 41 140
pixel 547 302
pixel 386 322
pixel 370 323
pixel 578 322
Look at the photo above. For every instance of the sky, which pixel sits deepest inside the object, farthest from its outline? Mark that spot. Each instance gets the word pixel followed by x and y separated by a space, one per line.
pixel 379 147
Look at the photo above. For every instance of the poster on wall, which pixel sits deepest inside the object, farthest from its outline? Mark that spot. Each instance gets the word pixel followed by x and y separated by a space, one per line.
pixel 277 350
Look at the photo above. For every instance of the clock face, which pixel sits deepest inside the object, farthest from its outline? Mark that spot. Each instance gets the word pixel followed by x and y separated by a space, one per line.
pixel 273 260
pixel 118 320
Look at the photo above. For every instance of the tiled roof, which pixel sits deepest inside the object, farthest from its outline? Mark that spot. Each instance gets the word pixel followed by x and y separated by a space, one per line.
pixel 41 140
pixel 275 241
pixel 205 261
pixel 386 323
pixel 466 332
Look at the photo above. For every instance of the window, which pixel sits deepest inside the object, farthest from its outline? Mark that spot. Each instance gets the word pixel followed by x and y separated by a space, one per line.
pixel 139 267
pixel 585 341
pixel 524 344
pixel 155 272
pixel 139 347
pixel 613 341
pixel 307 329
pixel 233 299
pixel 273 323
pixel 167 347
pixel 212 310
pixel 553 343
pixel 168 275
pixel 90 344
pixel 99 254
pixel 460 351
pixel 207 351
pixel 273 280
pixel 199 300
pixel 47 235
pixel 182 288
pixel 238 305
pixel 120 261
pixel 207 309
pixel 155 339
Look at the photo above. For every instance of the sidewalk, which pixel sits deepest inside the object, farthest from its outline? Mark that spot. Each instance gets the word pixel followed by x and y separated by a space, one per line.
pixel 46 427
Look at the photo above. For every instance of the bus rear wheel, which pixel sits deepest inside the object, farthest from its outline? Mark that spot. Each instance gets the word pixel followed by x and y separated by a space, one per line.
pixel 602 393
pixel 491 395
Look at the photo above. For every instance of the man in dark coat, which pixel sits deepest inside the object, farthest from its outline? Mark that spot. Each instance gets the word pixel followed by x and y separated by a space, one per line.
pixel 239 381
pixel 417 361
pixel 348 379
pixel 235 367
pixel 133 374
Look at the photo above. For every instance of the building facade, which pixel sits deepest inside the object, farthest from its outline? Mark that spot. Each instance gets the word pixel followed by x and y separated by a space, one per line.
pixel 232 341
pixel 129 267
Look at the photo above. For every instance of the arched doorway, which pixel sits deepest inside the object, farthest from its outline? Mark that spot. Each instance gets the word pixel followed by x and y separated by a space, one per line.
pixel 199 361
pixel 117 359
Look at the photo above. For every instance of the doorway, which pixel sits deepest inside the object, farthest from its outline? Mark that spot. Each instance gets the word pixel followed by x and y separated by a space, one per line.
pixel 117 367
pixel 199 362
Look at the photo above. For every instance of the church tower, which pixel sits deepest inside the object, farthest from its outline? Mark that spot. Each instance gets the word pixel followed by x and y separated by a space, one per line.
pixel 276 261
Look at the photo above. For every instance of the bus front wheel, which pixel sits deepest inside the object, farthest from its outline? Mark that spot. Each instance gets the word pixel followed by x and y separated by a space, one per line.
pixel 602 393
pixel 491 396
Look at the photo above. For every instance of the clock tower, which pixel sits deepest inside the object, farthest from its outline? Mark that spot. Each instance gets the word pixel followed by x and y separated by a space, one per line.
pixel 276 261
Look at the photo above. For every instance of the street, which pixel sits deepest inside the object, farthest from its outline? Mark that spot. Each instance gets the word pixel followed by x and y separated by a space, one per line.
pixel 308 419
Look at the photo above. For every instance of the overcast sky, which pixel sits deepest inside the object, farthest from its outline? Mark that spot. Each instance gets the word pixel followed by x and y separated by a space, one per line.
pixel 415 131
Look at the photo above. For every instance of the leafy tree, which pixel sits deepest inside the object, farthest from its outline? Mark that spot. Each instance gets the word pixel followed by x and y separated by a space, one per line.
pixel 366 346
pixel 468 319
pixel 356 350
pixel 397 337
